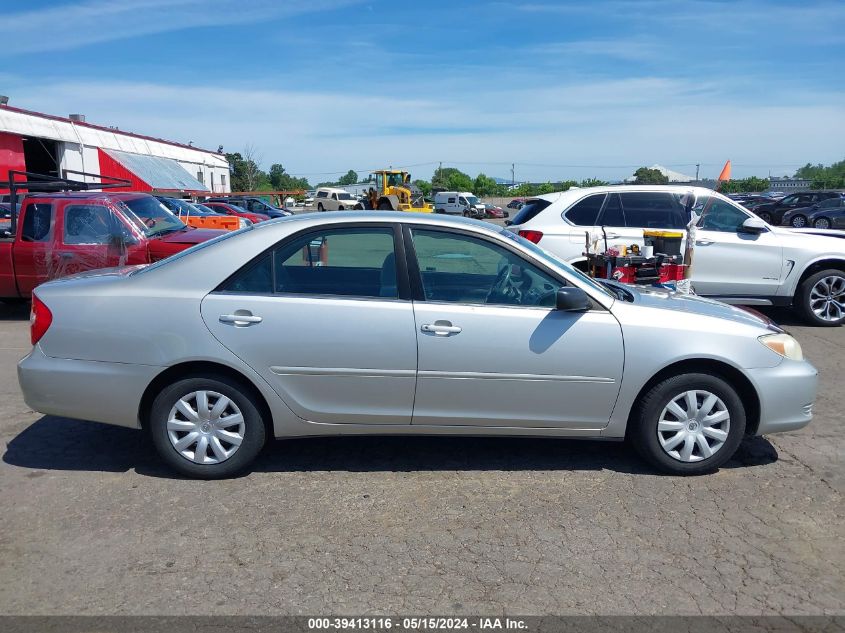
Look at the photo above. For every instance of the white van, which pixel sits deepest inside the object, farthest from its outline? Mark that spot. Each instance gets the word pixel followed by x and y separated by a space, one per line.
pixel 334 199
pixel 459 203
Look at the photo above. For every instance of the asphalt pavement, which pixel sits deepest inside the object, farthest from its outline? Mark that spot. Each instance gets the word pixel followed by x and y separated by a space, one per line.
pixel 92 523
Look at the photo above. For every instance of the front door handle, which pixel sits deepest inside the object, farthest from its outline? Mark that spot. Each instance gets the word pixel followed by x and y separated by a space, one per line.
pixel 240 318
pixel 440 328
pixel 703 242
pixel 611 236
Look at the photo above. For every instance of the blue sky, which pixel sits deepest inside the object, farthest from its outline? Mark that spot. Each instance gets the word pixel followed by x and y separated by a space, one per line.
pixel 562 89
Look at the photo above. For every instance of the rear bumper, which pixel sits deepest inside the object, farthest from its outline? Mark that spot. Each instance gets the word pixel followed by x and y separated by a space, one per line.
pixel 85 390
pixel 787 393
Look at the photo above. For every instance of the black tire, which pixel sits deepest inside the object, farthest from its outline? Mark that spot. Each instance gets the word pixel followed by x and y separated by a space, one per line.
pixel 340 208
pixel 320 206
pixel 384 205
pixel 802 298
pixel 466 214
pixel 820 223
pixel 798 221
pixel 765 216
pixel 254 434
pixel 643 433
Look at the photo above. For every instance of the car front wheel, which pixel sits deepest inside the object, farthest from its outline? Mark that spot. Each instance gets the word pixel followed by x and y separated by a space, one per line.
pixel 208 428
pixel 799 221
pixel 821 298
pixel 688 424
pixel 765 216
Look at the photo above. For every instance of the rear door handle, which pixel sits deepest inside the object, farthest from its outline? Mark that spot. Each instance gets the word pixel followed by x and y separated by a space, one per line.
pixel 440 328
pixel 611 236
pixel 703 242
pixel 241 320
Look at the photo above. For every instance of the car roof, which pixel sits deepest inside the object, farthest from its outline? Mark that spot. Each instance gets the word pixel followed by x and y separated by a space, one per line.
pixel 89 195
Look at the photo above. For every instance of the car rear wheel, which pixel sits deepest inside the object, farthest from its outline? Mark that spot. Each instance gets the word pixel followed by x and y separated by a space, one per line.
pixel 320 206
pixel 206 428
pixel 821 298
pixel 799 221
pixel 688 424
pixel 822 223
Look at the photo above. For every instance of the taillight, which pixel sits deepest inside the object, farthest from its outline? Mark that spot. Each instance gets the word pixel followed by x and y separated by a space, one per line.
pixel 40 319
pixel 532 236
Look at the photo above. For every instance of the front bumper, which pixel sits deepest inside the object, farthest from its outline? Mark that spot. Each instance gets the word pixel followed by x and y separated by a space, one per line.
pixel 83 389
pixel 787 393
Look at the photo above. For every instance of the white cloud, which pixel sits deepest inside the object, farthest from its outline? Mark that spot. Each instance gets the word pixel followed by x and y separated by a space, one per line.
pixel 83 23
pixel 621 124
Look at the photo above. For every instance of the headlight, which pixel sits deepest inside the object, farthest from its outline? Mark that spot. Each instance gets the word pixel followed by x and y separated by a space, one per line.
pixel 784 345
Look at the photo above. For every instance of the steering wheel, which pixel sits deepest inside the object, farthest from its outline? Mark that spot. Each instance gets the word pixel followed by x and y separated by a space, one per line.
pixel 504 287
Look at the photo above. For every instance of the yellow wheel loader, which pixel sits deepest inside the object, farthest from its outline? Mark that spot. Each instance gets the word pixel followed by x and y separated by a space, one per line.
pixel 395 192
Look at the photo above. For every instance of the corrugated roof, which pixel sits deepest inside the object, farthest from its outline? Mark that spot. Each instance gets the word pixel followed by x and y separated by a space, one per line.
pixel 160 173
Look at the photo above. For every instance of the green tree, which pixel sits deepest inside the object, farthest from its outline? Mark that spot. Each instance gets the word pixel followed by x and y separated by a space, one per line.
pixel 424 186
pixel 451 179
pixel 745 185
pixel 350 178
pixel 646 176
pixel 592 182
pixel 280 180
pixel 546 187
pixel 832 177
pixel 485 186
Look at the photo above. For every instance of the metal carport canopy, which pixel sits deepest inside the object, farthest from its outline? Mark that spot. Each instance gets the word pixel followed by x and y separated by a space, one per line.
pixel 161 174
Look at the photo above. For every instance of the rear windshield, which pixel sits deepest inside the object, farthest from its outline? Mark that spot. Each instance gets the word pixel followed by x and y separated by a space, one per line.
pixel 529 210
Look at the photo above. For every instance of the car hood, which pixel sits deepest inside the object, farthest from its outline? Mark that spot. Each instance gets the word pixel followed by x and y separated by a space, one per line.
pixel 191 236
pixel 669 300
pixel 815 240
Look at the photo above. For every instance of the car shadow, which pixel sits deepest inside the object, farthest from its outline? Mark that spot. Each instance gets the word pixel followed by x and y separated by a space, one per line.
pixel 14 311
pixel 53 443
pixel 784 317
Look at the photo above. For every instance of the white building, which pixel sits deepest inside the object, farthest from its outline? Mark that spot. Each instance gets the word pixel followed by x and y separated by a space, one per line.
pixel 46 144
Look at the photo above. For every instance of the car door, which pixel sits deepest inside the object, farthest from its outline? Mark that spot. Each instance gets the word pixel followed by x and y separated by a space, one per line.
pixel 729 262
pixel 493 351
pixel 655 210
pixel 33 250
pixel 326 320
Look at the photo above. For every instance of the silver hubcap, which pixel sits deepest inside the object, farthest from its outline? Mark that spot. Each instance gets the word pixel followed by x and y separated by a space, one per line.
pixel 798 221
pixel 693 426
pixel 822 224
pixel 205 427
pixel 827 298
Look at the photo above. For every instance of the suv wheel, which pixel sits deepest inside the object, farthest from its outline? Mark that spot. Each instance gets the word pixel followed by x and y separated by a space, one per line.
pixel 799 221
pixel 688 424
pixel 206 428
pixel 821 298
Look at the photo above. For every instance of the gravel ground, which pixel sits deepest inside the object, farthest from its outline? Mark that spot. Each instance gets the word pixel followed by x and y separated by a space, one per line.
pixel 91 522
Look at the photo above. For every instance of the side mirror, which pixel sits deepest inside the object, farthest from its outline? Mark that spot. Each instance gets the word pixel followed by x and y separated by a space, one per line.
pixel 572 299
pixel 754 226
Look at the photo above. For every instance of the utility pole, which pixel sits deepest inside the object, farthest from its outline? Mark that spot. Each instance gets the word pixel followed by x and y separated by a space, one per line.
pixel 697 165
pixel 513 180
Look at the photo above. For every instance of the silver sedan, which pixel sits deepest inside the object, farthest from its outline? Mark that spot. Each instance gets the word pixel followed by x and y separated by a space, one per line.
pixel 383 323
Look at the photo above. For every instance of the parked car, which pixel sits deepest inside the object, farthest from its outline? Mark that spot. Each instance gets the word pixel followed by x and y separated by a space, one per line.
pixel 750 201
pixel 772 212
pixel 492 211
pixel 459 203
pixel 245 353
pixel 254 204
pixel 827 214
pixel 738 258
pixel 516 203
pixel 230 209
pixel 192 215
pixel 61 234
pixel 334 199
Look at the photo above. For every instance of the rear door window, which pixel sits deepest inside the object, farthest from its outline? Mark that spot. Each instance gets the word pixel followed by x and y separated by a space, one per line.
pixel 652 210
pixel 585 212
pixel 612 214
pixel 530 210
pixel 38 222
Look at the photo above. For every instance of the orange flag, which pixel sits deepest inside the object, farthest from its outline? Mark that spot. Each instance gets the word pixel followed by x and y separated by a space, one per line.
pixel 726 172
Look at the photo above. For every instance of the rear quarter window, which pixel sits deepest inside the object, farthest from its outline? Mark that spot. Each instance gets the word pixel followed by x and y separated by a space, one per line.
pixel 530 210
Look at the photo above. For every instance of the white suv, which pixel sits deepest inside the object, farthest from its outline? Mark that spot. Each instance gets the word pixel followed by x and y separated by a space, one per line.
pixel 332 199
pixel 738 258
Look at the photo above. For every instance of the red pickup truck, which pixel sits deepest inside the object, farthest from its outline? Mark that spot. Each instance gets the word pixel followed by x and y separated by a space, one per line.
pixel 58 234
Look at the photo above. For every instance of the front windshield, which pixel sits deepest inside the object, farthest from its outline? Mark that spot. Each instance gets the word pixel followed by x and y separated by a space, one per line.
pixel 150 216
pixel 556 261
pixel 472 199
